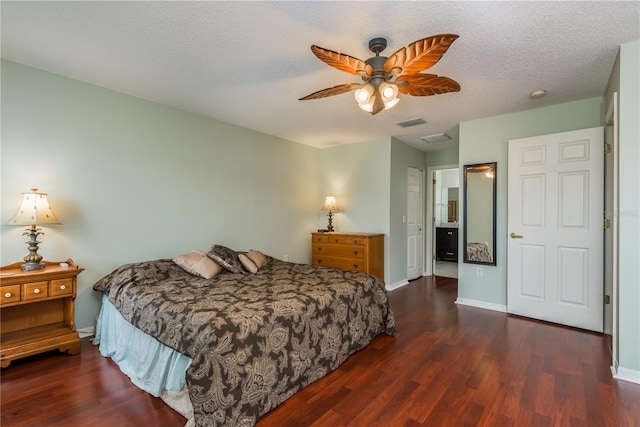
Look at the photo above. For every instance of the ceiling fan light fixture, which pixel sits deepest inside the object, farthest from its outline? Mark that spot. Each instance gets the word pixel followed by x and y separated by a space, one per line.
pixel 390 104
pixel 363 95
pixel 389 91
pixel 379 92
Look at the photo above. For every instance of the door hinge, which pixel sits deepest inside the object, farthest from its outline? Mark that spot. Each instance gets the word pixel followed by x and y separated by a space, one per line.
pixel 606 223
pixel 607 299
pixel 434 182
pixel 607 148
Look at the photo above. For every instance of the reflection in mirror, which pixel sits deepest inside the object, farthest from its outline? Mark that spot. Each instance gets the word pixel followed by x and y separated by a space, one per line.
pixel 446 197
pixel 452 204
pixel 480 213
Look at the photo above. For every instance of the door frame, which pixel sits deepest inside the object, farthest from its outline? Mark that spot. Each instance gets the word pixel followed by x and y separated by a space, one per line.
pixel 611 119
pixel 421 215
pixel 430 214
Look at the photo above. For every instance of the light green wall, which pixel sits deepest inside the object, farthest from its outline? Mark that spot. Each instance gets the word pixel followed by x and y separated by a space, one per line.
pixel 443 157
pixel 629 224
pixel 134 180
pixel 358 175
pixel 486 140
pixel 402 157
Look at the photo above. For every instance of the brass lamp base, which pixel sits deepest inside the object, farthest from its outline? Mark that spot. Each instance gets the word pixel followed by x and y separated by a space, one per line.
pixel 31 266
pixel 32 261
pixel 330 225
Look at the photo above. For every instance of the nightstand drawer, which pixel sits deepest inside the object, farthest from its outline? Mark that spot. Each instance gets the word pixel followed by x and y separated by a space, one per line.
pixel 61 287
pixel 35 290
pixel 10 294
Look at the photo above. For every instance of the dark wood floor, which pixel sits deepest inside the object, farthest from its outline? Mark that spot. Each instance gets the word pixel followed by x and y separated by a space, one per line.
pixel 448 365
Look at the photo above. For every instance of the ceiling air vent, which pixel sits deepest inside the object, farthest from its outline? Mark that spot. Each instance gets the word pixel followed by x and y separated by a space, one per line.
pixel 438 137
pixel 412 122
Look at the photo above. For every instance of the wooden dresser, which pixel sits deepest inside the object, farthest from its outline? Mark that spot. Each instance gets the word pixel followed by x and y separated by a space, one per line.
pixel 349 251
pixel 37 310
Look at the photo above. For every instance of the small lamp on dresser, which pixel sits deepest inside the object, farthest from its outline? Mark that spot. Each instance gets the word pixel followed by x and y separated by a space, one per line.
pixel 34 210
pixel 330 205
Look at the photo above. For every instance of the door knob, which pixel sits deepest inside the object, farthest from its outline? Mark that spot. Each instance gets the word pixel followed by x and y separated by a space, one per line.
pixel 516 236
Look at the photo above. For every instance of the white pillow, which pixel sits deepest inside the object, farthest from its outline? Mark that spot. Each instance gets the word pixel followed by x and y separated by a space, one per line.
pixel 252 261
pixel 198 263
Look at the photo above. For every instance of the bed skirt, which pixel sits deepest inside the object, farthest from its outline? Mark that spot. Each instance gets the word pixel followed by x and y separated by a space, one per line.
pixel 152 366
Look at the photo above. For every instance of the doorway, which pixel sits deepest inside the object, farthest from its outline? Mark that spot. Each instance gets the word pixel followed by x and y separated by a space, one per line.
pixel 415 221
pixel 443 208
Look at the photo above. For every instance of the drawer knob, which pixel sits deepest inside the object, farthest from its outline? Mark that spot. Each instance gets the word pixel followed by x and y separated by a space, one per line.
pixel 319 261
pixel 36 291
pixel 8 295
pixel 320 249
pixel 63 287
pixel 355 266
pixel 355 242
pixel 337 240
pixel 355 252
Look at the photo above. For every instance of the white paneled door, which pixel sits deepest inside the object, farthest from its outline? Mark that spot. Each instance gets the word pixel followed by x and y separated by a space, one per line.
pixel 415 215
pixel 555 214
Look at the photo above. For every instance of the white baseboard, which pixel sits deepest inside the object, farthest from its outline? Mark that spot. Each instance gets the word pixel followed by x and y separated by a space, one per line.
pixel 481 304
pixel 625 374
pixel 397 285
pixel 87 332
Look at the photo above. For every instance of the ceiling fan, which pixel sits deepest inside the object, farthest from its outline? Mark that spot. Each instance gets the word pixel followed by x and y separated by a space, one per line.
pixel 384 77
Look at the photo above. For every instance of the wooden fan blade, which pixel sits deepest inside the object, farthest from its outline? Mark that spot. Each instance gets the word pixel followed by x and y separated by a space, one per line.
pixel 336 90
pixel 426 84
pixel 341 61
pixel 420 55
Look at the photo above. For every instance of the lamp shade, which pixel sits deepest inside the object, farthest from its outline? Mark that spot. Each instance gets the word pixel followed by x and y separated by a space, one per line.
pixel 330 203
pixel 34 210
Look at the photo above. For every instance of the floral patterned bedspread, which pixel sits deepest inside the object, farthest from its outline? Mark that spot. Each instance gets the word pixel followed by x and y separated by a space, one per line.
pixel 255 339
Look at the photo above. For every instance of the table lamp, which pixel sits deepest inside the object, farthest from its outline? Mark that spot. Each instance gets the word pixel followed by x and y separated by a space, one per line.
pixel 34 210
pixel 331 205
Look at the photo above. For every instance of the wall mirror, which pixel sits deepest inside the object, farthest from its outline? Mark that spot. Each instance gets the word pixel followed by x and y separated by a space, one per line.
pixel 480 213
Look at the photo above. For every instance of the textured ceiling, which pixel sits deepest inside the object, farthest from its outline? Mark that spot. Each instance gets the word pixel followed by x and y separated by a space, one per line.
pixel 247 63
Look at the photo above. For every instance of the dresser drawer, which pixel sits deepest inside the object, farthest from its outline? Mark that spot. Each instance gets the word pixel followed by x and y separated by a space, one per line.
pixel 341 263
pixel 320 238
pixel 35 290
pixel 354 241
pixel 61 287
pixel 344 251
pixel 10 294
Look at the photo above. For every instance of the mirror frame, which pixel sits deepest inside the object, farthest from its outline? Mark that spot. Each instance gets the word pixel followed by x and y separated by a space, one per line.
pixel 479 167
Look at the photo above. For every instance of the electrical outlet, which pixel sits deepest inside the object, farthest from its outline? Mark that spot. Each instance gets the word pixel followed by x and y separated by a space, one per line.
pixel 285 258
pixel 479 271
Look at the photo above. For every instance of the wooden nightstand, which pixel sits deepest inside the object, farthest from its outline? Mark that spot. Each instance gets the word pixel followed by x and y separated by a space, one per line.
pixel 349 251
pixel 37 310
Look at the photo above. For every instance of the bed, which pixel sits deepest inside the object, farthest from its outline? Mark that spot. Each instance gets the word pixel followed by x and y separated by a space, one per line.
pixel 243 342
pixel 479 252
